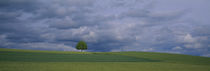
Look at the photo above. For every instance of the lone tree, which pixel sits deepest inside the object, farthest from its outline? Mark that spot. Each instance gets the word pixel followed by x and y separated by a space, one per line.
pixel 81 45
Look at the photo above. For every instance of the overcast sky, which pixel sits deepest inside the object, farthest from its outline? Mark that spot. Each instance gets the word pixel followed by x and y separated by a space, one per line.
pixel 172 26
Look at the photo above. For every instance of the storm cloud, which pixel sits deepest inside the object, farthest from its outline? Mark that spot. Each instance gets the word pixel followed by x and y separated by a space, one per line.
pixel 106 25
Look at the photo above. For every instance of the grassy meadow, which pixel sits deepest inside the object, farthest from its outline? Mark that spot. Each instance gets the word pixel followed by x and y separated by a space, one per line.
pixel 34 60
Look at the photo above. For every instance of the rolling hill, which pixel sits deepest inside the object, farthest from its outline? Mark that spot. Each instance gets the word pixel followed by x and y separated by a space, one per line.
pixel 34 60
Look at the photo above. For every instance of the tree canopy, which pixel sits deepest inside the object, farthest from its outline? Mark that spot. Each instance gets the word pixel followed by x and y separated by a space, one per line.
pixel 81 45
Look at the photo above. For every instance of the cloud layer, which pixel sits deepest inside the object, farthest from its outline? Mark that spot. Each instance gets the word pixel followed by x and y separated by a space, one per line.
pixel 106 25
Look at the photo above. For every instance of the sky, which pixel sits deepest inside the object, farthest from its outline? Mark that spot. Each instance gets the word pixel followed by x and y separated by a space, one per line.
pixel 169 26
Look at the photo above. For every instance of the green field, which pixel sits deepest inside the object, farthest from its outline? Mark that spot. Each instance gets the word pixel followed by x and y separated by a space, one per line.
pixel 33 60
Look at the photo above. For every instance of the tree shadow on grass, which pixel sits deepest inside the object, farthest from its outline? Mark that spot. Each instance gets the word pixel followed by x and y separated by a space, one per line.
pixel 51 57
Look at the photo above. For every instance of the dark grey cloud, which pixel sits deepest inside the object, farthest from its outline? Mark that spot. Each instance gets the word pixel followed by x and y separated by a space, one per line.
pixel 110 25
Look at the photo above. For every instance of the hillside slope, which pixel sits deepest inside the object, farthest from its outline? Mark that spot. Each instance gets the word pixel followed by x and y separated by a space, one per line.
pixel 34 60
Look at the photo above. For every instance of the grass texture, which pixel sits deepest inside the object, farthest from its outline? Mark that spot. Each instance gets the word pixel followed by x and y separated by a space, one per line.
pixel 33 60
